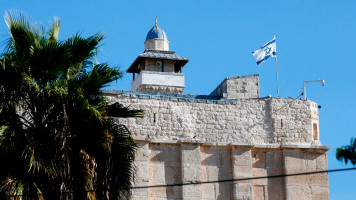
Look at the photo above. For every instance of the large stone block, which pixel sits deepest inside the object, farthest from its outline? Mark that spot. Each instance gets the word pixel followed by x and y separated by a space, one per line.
pixel 142 152
pixel 165 168
pixel 299 192
pixel 242 168
pixel 320 192
pixel 259 159
pixel 259 192
pixel 293 159
pixel 274 160
pixel 191 171
pixel 214 168
pixel 321 162
pixel 312 186
pixel 241 157
pixel 141 171
pixel 259 172
pixel 208 191
pixel 242 191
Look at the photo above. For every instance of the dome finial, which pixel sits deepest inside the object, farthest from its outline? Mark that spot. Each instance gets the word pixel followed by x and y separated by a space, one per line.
pixel 156 33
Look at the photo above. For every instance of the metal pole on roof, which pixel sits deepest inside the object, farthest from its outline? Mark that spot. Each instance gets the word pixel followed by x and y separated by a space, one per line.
pixel 305 84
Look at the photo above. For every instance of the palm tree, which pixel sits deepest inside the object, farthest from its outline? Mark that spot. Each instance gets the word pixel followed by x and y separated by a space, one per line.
pixel 348 152
pixel 58 133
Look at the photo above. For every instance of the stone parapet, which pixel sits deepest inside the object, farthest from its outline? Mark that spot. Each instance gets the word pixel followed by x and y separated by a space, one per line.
pixel 272 121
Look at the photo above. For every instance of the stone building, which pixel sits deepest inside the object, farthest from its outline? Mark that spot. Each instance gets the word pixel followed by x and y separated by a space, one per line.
pixel 232 133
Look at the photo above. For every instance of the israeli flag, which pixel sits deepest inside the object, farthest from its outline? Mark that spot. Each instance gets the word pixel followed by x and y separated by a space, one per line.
pixel 266 51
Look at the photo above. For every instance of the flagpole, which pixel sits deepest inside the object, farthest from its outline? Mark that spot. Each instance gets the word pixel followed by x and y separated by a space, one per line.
pixel 277 78
pixel 276 71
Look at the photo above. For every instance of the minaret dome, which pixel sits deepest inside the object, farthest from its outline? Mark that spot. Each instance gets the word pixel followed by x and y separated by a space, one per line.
pixel 156 39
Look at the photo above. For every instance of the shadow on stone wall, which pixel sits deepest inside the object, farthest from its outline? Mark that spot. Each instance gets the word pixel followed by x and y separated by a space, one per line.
pixel 216 165
pixel 165 168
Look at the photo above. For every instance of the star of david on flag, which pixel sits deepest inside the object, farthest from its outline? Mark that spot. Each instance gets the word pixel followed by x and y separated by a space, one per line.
pixel 266 51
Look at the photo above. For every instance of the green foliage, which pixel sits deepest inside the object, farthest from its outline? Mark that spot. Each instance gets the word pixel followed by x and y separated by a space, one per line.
pixel 347 153
pixel 57 132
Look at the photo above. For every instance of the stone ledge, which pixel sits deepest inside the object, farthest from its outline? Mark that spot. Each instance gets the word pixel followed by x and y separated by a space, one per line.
pixel 241 144
pixel 267 146
pixel 191 141
pixel 216 143
pixel 304 147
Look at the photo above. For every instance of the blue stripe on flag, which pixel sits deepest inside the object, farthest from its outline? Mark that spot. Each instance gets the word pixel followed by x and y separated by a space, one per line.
pixel 261 61
pixel 270 42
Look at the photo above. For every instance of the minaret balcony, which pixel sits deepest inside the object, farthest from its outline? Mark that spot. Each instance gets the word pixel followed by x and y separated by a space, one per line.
pixel 162 82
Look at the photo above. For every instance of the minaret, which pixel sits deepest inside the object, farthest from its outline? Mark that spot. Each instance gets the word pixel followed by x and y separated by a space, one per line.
pixel 158 69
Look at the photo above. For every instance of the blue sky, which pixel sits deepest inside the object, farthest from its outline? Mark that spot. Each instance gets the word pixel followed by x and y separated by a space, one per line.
pixel 315 40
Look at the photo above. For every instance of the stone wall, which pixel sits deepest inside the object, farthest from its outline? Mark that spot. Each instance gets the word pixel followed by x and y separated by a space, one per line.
pixel 313 186
pixel 268 162
pixel 216 165
pixel 165 168
pixel 239 87
pixel 192 139
pixel 164 163
pixel 257 122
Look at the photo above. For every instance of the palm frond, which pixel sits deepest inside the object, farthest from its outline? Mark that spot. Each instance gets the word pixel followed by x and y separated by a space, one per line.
pixel 347 153
pixel 118 110
pixel 122 155
pixel 82 49
pixel 48 62
pixel 54 31
pixel 98 78
pixel 23 36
